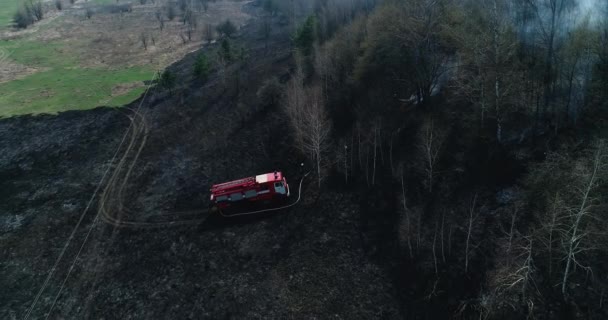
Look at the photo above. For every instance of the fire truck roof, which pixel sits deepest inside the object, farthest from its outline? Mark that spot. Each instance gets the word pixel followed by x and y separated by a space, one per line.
pixel 269 177
pixel 246 182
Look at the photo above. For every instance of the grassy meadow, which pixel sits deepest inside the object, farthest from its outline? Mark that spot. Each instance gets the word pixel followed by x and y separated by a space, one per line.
pixel 59 82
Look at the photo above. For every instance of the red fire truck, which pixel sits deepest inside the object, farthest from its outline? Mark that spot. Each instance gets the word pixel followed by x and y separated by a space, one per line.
pixel 263 188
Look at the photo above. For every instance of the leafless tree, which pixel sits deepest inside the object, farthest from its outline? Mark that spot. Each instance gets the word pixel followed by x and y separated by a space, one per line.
pixel 575 235
pixel 376 125
pixel 420 30
pixel 170 10
pixel 317 128
pixel 161 20
pixel 511 282
pixel 208 33
pixel 470 224
pixel 550 15
pixel 551 223
pixel 266 30
pixel 488 49
pixel 305 109
pixel 144 40
pixel 36 9
pixel 434 251
pixel 406 224
pixel 431 139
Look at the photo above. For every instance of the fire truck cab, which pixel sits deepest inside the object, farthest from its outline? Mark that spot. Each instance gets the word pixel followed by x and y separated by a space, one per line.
pixel 266 187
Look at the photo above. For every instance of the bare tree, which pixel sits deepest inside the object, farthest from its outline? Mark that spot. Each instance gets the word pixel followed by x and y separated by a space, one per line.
pixel 36 8
pixel 420 31
pixel 487 75
pixel 208 33
pixel 144 40
pixel 317 128
pixel 470 223
pixel 575 236
pixel 266 30
pixel 512 281
pixel 550 15
pixel 161 19
pixel 305 109
pixel 551 223
pixel 431 138
pixel 406 223
pixel 375 151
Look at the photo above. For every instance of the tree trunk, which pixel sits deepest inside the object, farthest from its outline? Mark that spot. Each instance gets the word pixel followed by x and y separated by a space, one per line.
pixel 469 231
pixel 374 166
pixel 407 218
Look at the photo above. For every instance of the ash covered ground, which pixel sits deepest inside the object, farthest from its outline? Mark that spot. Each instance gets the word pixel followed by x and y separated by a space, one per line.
pixel 316 260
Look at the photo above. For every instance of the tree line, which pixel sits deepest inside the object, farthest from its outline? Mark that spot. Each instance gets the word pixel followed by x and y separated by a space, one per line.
pixel 485 121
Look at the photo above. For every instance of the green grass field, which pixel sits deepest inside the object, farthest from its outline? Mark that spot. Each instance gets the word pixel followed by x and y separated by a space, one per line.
pixel 61 84
pixel 7 9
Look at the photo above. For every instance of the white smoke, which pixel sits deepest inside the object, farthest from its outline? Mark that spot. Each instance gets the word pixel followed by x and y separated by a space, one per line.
pixel 596 10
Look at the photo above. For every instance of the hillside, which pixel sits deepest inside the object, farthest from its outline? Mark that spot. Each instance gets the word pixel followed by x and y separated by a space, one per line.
pixel 446 159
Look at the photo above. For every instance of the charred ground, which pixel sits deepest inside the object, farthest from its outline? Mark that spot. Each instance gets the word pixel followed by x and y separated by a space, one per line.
pixel 310 261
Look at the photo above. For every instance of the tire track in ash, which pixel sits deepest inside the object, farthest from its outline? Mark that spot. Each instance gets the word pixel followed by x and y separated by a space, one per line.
pixel 112 209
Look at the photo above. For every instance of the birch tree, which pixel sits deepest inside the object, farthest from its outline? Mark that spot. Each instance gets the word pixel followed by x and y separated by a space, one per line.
pixel 550 16
pixel 431 139
pixel 307 114
pixel 488 48
pixel 473 215
pixel 317 128
pixel 575 236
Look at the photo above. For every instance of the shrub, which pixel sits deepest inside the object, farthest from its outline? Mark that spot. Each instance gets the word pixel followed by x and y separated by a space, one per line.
pixel 59 5
pixel 36 9
pixel 22 18
pixel 202 67
pixel 167 80
pixel 225 51
pixel 226 28
pixel 170 12
pixel 305 36
pixel 270 92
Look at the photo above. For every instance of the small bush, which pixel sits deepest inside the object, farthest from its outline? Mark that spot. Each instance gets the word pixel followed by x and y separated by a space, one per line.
pixel 167 80
pixel 170 12
pixel 226 28
pixel 59 5
pixel 36 9
pixel 116 8
pixel 89 13
pixel 22 18
pixel 270 93
pixel 305 36
pixel 270 6
pixel 225 51
pixel 202 68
